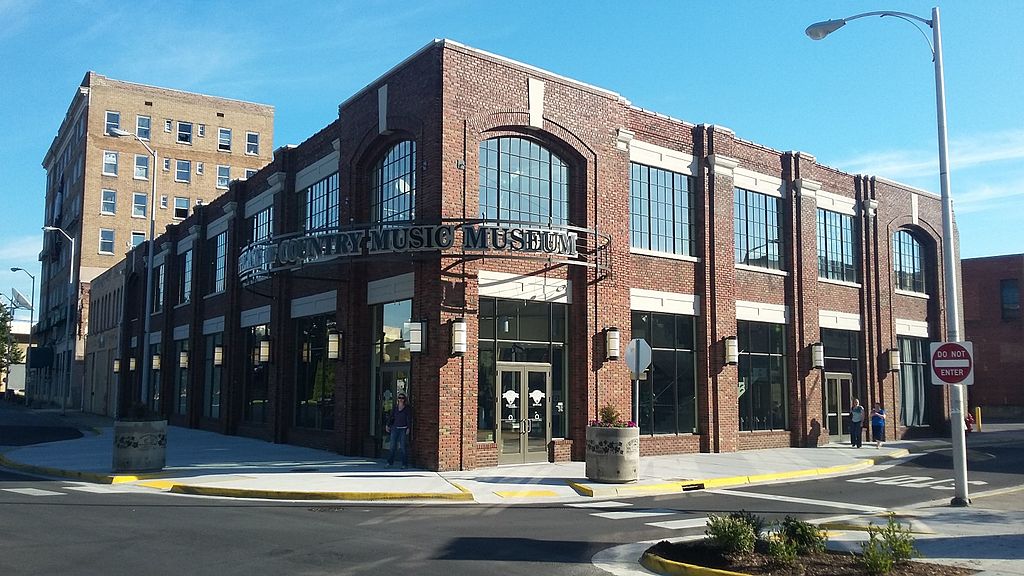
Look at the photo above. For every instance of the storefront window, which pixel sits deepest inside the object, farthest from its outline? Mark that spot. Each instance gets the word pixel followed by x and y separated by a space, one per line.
pixel 257 409
pixel 390 361
pixel 762 376
pixel 314 374
pixel 914 356
pixel 180 379
pixel 668 397
pixel 211 393
pixel 154 380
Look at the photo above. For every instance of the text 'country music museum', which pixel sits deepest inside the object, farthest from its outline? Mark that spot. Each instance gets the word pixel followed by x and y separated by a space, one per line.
pixel 487 237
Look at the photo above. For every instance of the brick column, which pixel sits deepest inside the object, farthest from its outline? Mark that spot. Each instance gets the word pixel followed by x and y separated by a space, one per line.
pixel 806 392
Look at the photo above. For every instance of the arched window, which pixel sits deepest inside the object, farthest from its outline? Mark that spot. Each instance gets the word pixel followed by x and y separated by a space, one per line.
pixel 394 184
pixel 908 262
pixel 522 180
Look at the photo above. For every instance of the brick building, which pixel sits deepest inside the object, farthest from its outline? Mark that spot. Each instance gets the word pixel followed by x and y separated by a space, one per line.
pixel 98 192
pixel 486 237
pixel 992 321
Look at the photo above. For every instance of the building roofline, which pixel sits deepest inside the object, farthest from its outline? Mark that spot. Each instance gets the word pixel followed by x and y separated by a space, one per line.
pixel 91 75
pixel 921 191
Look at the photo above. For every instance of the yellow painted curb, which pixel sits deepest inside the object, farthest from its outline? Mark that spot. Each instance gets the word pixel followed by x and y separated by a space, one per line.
pixel 298 495
pixel 158 484
pixel 661 565
pixel 527 493
pixel 94 477
pixel 635 489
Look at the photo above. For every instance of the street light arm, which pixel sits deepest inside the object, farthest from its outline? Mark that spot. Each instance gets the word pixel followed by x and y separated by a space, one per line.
pixel 819 30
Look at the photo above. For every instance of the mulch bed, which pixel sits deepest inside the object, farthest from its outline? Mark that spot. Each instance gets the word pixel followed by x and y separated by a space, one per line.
pixel 701 553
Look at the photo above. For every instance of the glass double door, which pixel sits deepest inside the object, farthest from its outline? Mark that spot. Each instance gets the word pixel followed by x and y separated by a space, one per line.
pixel 394 380
pixel 524 429
pixel 838 397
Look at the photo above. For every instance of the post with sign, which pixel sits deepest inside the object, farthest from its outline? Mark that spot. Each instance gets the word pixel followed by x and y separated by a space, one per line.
pixel 953 364
pixel 638 358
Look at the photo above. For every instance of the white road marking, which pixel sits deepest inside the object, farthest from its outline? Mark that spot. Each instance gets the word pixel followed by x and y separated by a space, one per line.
pixel 681 524
pixel 93 489
pixel 794 500
pixel 32 492
pixel 907 481
pixel 637 514
pixel 609 504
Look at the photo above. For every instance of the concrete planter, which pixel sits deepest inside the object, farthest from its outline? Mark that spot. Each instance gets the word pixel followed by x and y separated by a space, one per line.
pixel 140 446
pixel 613 454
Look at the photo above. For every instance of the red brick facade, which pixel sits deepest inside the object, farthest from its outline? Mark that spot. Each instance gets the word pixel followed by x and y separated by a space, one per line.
pixel 448 99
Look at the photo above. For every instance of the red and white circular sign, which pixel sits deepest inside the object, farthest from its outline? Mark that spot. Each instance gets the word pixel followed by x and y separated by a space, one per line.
pixel 952 363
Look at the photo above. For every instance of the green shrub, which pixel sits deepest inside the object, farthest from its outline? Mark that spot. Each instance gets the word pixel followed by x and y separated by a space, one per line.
pixel 756 523
pixel 781 549
pixel 887 546
pixel 874 556
pixel 898 540
pixel 806 537
pixel 730 535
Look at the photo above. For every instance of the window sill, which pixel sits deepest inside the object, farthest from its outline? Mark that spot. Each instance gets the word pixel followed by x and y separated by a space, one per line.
pixel 140 179
pixel 213 294
pixel 182 304
pixel 840 282
pixel 771 271
pixel 108 213
pixel 139 217
pixel 920 295
pixel 109 174
pixel 772 431
pixel 666 255
pixel 104 253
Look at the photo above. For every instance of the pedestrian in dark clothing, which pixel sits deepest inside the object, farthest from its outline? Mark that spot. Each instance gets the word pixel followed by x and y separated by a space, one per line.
pixel 856 424
pixel 399 425
pixel 878 425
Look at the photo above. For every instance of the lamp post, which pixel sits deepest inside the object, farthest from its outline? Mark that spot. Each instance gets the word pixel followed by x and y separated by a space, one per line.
pixel 149 261
pixel 31 322
pixel 67 323
pixel 952 297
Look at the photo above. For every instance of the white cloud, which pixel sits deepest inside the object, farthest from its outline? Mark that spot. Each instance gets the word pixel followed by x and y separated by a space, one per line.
pixel 22 251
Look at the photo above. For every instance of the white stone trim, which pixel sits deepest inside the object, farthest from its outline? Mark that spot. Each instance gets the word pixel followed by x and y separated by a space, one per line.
pixel 185 244
pixel 254 316
pixel 807 188
pixel 520 287
pixel 393 289
pixel 260 203
pixel 722 165
pixel 839 320
pixel 667 302
pixel 905 327
pixel 771 271
pixel 915 213
pixel 218 226
pixel 657 254
pixel 920 295
pixel 660 157
pixel 322 303
pixel 757 182
pixel 535 91
pixel 156 338
pixel 213 325
pixel 181 332
pixel 317 171
pixel 837 203
pixel 856 285
pixel 760 312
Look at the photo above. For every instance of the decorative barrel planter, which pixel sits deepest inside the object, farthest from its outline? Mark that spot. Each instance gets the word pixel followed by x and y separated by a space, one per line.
pixel 613 454
pixel 140 446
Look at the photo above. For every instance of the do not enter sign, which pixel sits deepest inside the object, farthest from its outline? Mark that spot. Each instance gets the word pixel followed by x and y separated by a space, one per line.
pixel 952 363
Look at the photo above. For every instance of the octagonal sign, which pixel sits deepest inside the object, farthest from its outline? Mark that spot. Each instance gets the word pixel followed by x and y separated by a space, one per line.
pixel 952 363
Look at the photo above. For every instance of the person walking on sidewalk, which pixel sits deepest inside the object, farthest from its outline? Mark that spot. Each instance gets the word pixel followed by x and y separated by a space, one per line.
pixel 399 425
pixel 856 424
pixel 878 425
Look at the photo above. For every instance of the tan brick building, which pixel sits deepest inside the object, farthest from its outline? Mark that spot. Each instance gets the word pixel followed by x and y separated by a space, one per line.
pixel 98 191
pixel 476 232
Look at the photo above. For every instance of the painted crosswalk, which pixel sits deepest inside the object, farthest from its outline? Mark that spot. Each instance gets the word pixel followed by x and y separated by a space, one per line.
pixel 33 492
pixel 63 490
pixel 613 510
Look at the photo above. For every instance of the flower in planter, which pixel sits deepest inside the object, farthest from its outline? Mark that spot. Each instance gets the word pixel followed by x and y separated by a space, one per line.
pixel 610 418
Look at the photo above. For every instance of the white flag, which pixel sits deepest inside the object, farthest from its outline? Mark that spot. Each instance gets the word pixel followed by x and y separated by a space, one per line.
pixel 20 300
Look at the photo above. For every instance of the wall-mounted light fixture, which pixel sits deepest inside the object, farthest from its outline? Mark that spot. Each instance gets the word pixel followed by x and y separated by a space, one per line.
pixel 183 359
pixel 459 336
pixel 333 345
pixel 218 355
pixel 264 356
pixel 117 365
pixel 131 364
pixel 415 339
pixel 305 352
pixel 156 362
pixel 894 360
pixel 817 355
pixel 612 340
pixel 732 351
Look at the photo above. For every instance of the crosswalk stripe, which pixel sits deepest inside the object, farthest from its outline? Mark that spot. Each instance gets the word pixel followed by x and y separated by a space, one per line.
pixel 637 514
pixel 609 504
pixel 92 489
pixel 795 500
pixel 681 524
pixel 32 492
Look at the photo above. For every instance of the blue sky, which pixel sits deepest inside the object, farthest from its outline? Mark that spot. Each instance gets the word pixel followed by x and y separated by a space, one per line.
pixel 861 100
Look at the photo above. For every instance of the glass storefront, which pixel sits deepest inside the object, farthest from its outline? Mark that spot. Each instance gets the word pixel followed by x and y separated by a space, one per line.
pixel 214 370
pixel 254 391
pixel 763 401
pixel 180 378
pixel 914 355
pixel 391 367
pixel 668 397
pixel 314 373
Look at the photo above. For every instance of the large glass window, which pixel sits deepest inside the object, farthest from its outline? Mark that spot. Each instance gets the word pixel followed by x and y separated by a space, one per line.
pixel 391 373
pixel 908 262
pixel 314 373
pixel 837 246
pixel 181 378
pixel 322 204
pixel 158 288
pixel 762 392
pixel 154 380
pixel 521 331
pixel 214 368
pixel 520 180
pixel 758 229
pixel 660 210
pixel 261 225
pixel 220 262
pixel 668 397
pixel 394 184
pixel 1009 299
pixel 914 354
pixel 185 279
pixel 255 394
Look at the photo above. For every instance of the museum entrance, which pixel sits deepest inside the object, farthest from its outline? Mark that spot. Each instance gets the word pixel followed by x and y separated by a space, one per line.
pixel 838 397
pixel 524 403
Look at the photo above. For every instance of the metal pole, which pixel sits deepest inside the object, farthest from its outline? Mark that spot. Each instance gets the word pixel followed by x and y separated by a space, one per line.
pixel 31 328
pixel 70 358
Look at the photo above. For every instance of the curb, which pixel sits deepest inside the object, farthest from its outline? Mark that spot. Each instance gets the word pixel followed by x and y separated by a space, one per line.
pixel 94 477
pixel 660 565
pixel 462 496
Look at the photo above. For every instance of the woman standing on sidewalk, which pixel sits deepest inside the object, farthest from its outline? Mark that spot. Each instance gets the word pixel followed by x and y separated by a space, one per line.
pixel 856 424
pixel 878 425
